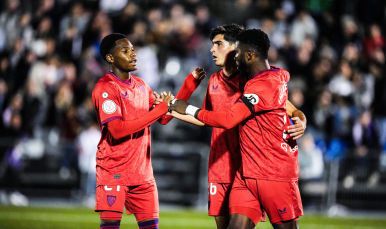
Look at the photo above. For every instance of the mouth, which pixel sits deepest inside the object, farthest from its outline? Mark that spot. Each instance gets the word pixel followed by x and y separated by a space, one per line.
pixel 133 62
pixel 214 58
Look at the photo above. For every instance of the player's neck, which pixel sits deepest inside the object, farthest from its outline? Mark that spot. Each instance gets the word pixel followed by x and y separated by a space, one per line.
pixel 260 66
pixel 120 74
pixel 229 70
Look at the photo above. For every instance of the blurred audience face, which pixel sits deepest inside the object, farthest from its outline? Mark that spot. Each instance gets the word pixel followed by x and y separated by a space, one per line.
pixel 297 98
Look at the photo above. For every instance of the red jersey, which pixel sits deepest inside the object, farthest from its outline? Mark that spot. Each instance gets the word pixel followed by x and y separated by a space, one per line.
pixel 124 161
pixel 225 158
pixel 267 153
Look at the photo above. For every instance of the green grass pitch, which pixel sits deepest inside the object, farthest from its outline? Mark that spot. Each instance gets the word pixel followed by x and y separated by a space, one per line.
pixel 74 218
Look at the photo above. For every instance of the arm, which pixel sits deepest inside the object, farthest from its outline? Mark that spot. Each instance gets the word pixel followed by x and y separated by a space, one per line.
pixel 300 122
pixel 119 128
pixel 187 118
pixel 221 119
pixel 190 84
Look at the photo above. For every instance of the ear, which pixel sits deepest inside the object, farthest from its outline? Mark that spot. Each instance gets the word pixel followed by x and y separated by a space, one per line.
pixel 249 55
pixel 110 58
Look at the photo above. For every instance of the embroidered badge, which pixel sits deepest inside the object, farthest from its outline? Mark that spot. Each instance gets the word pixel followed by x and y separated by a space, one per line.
pixel 111 199
pixel 105 95
pixel 109 107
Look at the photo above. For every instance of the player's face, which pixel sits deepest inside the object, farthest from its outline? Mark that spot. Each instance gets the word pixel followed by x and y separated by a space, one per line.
pixel 240 61
pixel 221 50
pixel 125 58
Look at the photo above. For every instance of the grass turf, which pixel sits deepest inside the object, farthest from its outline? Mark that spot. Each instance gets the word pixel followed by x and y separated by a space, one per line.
pixel 74 218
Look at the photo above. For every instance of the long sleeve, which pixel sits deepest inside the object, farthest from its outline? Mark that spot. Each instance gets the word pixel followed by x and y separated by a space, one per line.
pixel 225 119
pixel 119 128
pixel 188 87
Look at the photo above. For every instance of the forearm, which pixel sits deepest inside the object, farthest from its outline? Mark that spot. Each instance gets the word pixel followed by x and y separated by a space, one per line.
pixel 224 119
pixel 290 109
pixel 188 87
pixel 188 118
pixel 119 128
pixel 300 115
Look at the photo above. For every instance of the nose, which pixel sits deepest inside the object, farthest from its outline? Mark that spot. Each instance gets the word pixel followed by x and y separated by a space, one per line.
pixel 212 49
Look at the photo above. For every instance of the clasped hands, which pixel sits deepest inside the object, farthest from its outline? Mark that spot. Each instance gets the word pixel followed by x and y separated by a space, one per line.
pixel 177 105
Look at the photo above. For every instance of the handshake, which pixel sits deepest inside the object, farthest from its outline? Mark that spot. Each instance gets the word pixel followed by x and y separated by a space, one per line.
pixel 177 105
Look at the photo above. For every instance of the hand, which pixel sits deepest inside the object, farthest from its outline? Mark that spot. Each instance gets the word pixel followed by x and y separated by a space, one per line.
pixel 199 73
pixel 158 99
pixel 179 106
pixel 297 130
pixel 167 97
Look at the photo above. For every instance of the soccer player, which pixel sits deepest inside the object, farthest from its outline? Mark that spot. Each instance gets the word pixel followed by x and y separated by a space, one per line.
pixel 268 177
pixel 224 90
pixel 124 171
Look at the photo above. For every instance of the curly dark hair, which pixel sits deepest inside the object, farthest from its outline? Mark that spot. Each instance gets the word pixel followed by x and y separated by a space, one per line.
pixel 256 39
pixel 108 43
pixel 230 32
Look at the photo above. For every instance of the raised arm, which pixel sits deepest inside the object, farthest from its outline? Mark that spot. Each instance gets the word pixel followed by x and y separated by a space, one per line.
pixel 190 84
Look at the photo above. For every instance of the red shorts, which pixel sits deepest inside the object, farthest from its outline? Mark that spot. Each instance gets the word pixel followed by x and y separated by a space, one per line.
pixel 281 200
pixel 218 200
pixel 140 200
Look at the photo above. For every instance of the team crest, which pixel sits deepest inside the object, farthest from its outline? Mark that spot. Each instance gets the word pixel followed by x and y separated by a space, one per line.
pixel 142 87
pixel 252 98
pixel 111 199
pixel 109 107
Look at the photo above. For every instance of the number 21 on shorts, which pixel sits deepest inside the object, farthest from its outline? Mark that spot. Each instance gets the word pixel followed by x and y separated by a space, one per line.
pixel 212 189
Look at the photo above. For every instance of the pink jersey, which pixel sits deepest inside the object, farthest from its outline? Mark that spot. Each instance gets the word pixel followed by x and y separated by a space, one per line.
pixel 225 158
pixel 267 153
pixel 124 161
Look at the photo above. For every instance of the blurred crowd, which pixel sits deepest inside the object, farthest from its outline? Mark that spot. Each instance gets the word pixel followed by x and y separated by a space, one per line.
pixel 50 62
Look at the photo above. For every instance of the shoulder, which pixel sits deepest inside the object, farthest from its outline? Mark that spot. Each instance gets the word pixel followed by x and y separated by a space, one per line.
pixel 215 76
pixel 261 83
pixel 139 81
pixel 104 84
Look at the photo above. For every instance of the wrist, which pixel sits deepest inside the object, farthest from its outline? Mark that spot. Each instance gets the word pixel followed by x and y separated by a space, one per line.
pixel 196 114
pixel 191 110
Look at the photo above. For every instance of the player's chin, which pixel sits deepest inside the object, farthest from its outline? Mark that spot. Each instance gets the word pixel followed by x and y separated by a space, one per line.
pixel 132 68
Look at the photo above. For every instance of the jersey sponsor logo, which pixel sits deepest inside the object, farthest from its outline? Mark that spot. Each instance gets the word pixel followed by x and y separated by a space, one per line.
pixel 284 146
pixel 283 211
pixel 111 199
pixel 212 189
pixel 126 96
pixel 105 95
pixel 142 87
pixel 252 98
pixel 109 107
pixel 214 89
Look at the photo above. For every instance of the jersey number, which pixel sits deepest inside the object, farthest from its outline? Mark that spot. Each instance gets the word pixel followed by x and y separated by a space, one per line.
pixel 212 189
pixel 109 189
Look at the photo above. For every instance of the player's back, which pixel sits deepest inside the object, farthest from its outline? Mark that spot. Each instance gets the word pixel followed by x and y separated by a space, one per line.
pixel 266 155
pixel 124 161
